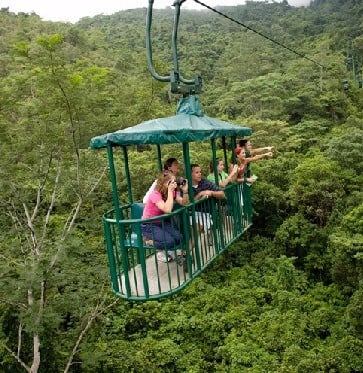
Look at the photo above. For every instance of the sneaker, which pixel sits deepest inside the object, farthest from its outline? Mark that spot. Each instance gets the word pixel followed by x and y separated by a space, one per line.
pixel 210 238
pixel 148 242
pixel 171 254
pixel 162 257
pixel 180 259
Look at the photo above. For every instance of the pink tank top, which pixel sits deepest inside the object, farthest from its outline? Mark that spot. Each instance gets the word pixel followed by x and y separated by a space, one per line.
pixel 150 209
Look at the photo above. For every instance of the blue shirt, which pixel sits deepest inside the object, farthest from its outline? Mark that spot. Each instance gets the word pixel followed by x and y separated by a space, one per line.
pixel 205 184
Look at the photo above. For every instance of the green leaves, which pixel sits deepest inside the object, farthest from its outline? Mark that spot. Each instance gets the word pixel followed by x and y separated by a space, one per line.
pixel 287 297
pixel 50 43
pixel 347 148
pixel 316 186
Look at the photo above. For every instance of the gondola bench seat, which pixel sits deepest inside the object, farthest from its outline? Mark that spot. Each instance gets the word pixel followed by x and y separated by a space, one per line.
pixel 147 244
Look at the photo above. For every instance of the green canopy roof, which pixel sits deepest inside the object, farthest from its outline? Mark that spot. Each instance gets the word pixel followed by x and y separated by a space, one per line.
pixel 189 124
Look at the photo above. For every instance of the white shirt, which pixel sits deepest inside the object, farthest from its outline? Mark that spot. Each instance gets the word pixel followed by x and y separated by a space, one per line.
pixel 151 189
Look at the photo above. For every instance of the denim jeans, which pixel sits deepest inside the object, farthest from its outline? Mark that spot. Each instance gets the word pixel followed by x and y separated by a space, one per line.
pixel 165 235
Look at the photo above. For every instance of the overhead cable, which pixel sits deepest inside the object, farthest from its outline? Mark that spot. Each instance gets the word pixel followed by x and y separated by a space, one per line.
pixel 260 33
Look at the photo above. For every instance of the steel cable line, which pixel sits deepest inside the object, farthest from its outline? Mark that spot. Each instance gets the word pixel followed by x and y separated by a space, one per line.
pixel 259 33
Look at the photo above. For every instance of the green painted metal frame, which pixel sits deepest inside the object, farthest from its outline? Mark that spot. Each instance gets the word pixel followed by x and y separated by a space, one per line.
pixel 122 276
pixel 130 259
pixel 178 83
pixel 130 263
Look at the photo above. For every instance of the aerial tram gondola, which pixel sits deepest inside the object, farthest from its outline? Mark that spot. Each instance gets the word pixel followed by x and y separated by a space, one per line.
pixel 135 272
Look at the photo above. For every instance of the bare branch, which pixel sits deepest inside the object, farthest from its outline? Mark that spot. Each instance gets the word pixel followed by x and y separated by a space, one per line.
pixel 98 310
pixel 32 231
pixel 37 204
pixel 41 184
pixel 13 354
pixel 41 301
pixel 12 212
pixel 36 353
pixel 11 260
pixel 51 205
pixel 20 331
pixel 72 218
pixel 97 182
pixel 36 341
pixel 92 317
pixel 21 306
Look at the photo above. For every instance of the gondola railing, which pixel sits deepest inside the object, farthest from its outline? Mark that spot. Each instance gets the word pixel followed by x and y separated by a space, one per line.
pixel 138 275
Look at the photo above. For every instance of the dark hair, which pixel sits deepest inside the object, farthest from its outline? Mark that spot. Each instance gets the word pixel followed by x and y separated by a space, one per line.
pixel 211 164
pixel 242 143
pixel 169 162
pixel 193 165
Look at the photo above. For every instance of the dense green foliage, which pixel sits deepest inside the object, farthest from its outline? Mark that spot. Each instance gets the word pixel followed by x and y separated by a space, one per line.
pixel 288 296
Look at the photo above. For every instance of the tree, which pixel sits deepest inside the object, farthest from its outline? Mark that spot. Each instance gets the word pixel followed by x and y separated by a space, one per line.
pixel 346 248
pixel 45 197
pixel 297 237
pixel 316 186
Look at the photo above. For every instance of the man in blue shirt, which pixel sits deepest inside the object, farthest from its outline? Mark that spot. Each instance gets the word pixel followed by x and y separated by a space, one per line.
pixel 203 188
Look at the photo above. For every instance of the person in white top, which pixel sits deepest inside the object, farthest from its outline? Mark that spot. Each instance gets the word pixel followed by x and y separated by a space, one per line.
pixel 172 165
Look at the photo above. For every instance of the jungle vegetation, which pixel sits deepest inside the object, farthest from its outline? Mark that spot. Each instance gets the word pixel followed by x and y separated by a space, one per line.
pixel 287 297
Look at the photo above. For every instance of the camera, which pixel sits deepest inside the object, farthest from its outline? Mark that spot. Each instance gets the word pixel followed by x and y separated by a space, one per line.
pixel 180 181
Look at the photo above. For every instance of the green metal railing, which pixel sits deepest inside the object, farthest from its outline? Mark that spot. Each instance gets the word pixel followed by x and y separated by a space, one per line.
pixel 136 273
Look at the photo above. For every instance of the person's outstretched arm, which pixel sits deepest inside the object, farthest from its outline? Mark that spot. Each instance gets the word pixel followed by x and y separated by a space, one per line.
pixel 259 150
pixel 258 157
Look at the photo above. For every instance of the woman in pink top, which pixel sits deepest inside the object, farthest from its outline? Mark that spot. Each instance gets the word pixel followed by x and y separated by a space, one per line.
pixel 164 233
